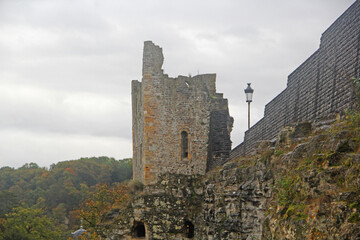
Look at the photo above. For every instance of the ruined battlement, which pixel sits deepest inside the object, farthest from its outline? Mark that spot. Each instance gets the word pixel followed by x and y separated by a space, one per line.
pixel 180 125
pixel 153 59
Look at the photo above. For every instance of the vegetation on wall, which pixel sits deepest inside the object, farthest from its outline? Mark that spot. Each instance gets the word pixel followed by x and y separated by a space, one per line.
pixel 317 185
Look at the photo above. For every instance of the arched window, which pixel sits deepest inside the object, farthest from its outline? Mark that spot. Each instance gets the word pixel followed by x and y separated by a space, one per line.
pixel 189 227
pixel 184 145
pixel 138 230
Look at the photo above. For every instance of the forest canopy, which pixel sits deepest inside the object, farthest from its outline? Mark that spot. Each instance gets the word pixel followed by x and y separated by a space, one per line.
pixel 55 194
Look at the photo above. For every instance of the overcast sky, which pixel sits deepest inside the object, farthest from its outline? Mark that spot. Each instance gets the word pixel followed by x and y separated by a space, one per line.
pixel 66 65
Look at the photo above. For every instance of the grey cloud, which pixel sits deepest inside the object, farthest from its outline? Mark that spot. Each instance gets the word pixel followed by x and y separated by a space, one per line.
pixel 44 111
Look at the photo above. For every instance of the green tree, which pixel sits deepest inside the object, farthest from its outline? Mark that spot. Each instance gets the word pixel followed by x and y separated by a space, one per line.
pixel 8 201
pixel 27 224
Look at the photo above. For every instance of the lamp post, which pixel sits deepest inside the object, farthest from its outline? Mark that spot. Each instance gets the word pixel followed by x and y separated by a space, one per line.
pixel 249 93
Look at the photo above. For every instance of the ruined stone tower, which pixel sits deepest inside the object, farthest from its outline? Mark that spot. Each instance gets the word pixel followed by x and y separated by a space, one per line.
pixel 180 125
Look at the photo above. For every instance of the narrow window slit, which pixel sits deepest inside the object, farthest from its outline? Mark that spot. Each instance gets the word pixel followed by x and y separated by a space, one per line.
pixel 189 227
pixel 184 145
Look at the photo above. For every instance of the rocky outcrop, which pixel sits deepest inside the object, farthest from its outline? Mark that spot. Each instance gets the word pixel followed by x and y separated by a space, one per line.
pixel 303 185
pixel 316 194
pixel 234 201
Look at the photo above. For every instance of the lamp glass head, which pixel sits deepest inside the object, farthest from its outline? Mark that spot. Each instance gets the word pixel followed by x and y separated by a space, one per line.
pixel 249 93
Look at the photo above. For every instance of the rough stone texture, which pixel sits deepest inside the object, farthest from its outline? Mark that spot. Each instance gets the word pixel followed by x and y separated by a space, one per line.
pixel 220 127
pixel 234 202
pixel 229 204
pixel 317 189
pixel 317 89
pixel 163 107
pixel 163 207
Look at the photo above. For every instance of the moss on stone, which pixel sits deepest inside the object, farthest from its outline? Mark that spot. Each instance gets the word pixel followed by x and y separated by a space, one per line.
pixel 354 218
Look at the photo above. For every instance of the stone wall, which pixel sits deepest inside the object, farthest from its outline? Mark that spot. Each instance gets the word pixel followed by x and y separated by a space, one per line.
pixel 229 203
pixel 220 127
pixel 168 209
pixel 317 89
pixel 234 202
pixel 163 108
pixel 137 130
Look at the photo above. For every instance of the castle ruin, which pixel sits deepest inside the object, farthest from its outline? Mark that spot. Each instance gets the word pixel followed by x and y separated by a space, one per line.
pixel 180 125
pixel 181 130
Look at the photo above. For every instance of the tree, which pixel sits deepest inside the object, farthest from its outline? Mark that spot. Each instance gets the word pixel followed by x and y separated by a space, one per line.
pixel 8 201
pixel 27 224
pixel 102 201
pixel 60 190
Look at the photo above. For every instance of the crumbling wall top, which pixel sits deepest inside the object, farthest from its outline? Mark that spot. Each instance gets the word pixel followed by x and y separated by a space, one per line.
pixel 153 58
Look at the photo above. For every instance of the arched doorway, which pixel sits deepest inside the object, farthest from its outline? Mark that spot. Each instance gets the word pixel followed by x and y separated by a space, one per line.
pixel 138 230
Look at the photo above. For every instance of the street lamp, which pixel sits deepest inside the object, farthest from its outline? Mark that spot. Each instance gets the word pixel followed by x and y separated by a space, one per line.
pixel 249 93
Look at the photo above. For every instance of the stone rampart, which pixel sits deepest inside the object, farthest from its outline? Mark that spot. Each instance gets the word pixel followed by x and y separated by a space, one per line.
pixel 319 88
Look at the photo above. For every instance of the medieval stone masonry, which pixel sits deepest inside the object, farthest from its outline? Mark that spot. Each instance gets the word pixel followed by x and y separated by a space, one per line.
pixel 317 89
pixel 180 125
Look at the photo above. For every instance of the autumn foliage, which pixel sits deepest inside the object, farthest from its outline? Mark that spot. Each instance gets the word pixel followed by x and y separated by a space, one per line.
pixel 102 201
